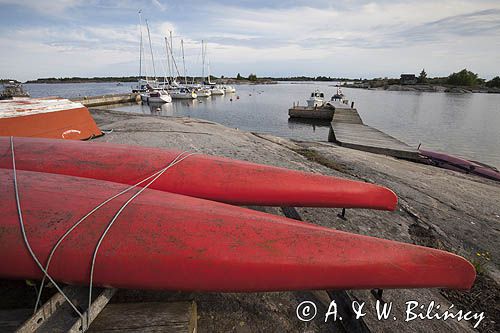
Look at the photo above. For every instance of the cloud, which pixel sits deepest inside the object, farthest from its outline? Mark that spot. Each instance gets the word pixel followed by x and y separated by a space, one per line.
pixel 51 7
pixel 158 4
pixel 308 37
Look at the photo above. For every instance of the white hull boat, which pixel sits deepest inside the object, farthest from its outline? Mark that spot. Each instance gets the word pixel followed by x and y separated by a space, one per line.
pixel 228 89
pixel 203 92
pixel 317 99
pixel 217 90
pixel 156 96
pixel 183 93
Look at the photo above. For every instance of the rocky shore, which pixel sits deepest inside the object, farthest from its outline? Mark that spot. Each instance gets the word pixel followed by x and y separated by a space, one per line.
pixel 427 88
pixel 437 208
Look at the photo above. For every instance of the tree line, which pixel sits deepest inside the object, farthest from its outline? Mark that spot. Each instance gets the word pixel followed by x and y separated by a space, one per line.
pixel 463 78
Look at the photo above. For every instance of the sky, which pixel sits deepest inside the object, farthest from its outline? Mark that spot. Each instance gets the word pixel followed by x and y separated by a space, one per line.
pixel 343 38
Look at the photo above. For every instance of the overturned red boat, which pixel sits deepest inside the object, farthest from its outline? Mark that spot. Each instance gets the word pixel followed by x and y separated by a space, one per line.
pixel 167 241
pixel 202 176
pixel 49 117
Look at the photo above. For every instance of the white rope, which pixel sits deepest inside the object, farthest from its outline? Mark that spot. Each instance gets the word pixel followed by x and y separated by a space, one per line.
pixel 114 219
pixel 61 239
pixel 155 176
pixel 23 231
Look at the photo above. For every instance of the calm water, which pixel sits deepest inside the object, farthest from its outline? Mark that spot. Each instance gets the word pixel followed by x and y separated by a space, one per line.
pixel 467 125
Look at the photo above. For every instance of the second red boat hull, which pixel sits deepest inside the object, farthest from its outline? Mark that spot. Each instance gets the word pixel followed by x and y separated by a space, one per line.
pixel 202 176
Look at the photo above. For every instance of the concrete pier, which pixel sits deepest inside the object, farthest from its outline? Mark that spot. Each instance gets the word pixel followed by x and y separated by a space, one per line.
pixel 92 101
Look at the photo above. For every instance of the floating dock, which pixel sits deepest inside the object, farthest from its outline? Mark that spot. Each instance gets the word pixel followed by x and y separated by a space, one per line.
pixel 348 130
pixel 306 112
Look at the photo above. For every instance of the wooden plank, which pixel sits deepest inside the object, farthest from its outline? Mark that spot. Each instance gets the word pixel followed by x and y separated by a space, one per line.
pixel 366 138
pixel 147 317
pixel 56 315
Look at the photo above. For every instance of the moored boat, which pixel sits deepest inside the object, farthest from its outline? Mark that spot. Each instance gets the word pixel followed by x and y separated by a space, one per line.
pixel 216 89
pixel 152 95
pixel 182 93
pixel 228 89
pixel 317 99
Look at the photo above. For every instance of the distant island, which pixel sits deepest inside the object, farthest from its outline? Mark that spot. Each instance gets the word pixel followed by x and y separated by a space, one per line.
pixel 460 82
pixel 463 81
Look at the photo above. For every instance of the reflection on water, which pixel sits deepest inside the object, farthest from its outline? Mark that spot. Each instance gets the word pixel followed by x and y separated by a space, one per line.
pixel 314 124
pixel 467 125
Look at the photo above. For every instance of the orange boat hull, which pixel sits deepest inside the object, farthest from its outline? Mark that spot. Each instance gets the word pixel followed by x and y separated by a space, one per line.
pixel 34 120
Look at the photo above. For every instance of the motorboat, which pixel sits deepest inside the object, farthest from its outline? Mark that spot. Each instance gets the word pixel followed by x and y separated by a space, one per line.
pixel 338 96
pixel 317 99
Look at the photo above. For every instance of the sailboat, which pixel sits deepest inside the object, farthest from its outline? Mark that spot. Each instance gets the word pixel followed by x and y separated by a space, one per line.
pixel 201 90
pixel 215 89
pixel 150 91
pixel 176 90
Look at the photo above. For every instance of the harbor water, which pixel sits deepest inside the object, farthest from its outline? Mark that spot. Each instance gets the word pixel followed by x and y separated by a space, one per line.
pixel 467 125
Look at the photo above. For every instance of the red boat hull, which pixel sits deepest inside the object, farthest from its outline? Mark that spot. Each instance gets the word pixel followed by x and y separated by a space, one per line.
pixel 202 176
pixel 172 242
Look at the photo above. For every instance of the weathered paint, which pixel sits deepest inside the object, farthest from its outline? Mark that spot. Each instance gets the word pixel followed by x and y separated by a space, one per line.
pixel 202 176
pixel 167 241
pixel 56 118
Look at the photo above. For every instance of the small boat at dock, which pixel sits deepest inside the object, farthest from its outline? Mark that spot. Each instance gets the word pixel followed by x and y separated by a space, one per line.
pixel 317 99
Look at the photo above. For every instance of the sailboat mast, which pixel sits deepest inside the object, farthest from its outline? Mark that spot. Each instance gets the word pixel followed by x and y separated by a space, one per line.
pixel 141 48
pixel 208 65
pixel 183 61
pixel 169 67
pixel 151 49
pixel 202 62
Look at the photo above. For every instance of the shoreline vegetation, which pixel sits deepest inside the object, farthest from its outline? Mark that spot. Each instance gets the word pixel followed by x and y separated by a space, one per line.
pixel 463 81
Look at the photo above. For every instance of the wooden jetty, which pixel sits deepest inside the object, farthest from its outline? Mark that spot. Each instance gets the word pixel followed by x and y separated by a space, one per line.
pixel 347 130
pixel 325 112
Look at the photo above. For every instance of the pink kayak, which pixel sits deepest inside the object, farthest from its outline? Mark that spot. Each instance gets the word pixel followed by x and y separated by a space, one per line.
pixel 459 164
